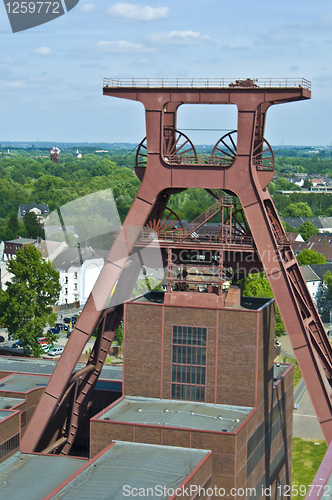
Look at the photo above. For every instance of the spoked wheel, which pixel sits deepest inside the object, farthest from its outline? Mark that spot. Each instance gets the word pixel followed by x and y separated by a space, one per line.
pixel 142 154
pixel 224 152
pixel 178 148
pixel 263 157
pixel 164 228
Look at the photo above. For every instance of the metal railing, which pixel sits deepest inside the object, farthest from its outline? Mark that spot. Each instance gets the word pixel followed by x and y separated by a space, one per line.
pixel 176 236
pixel 243 83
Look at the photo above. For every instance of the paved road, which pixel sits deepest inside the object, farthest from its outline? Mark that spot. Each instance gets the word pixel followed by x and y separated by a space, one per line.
pixel 305 422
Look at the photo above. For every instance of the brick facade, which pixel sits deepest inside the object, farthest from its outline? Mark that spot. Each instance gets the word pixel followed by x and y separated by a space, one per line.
pixel 239 371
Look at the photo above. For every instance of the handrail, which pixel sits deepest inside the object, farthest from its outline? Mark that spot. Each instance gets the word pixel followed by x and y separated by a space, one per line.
pixel 237 83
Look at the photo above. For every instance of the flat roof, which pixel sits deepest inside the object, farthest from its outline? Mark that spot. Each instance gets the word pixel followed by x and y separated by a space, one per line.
pixel 279 370
pixel 132 465
pixel 7 403
pixel 5 414
pixel 23 383
pixel 156 297
pixel 46 367
pixel 174 413
pixel 32 477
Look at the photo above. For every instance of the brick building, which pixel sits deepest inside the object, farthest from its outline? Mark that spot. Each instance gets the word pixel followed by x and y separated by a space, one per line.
pixel 204 377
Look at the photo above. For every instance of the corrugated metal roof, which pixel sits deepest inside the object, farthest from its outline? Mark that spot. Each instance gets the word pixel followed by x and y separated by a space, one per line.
pixel 173 413
pixel 132 465
pixel 46 367
pixel 32 477
pixel 23 383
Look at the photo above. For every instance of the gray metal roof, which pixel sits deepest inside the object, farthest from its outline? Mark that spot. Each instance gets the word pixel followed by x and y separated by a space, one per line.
pixel 32 477
pixel 309 274
pixel 279 370
pixel 23 383
pixel 321 269
pixel 5 414
pixel 132 465
pixel 172 413
pixel 7 403
pixel 46 367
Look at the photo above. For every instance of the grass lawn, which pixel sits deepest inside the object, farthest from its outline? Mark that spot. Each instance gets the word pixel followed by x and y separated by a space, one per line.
pixel 307 457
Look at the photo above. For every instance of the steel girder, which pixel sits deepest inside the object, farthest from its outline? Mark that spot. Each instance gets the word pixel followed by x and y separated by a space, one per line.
pixel 247 180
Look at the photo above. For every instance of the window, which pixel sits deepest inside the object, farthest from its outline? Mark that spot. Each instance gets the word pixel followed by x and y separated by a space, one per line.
pixel 189 363
pixel 66 279
pixel 9 446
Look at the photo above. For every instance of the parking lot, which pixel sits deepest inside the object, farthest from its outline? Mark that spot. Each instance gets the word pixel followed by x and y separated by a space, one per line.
pixel 61 338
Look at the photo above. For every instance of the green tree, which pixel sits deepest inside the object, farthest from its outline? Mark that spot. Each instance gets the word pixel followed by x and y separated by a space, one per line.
pixel 307 184
pixel 297 210
pixel 26 305
pixel 32 227
pixel 257 285
pixel 288 228
pixel 14 227
pixel 307 229
pixel 119 333
pixel 327 280
pixel 285 185
pixel 308 256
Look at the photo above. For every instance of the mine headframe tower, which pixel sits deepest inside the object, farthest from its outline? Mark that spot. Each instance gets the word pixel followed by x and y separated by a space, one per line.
pixel 241 164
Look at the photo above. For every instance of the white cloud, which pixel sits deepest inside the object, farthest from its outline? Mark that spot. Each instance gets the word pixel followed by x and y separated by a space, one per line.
pixel 88 7
pixel 120 47
pixel 42 51
pixel 180 38
pixel 137 12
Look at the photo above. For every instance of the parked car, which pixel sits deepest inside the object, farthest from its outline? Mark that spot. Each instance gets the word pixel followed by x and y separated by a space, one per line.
pixel 55 351
pixel 54 329
pixel 68 335
pixel 44 340
pixel 17 344
pixel 67 320
pixel 2 339
pixel 46 347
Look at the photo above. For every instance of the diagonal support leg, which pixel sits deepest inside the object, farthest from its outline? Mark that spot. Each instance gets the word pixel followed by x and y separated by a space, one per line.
pixel 304 327
pixel 115 281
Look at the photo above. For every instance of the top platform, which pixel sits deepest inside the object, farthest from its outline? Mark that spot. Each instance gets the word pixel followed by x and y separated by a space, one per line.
pixel 206 83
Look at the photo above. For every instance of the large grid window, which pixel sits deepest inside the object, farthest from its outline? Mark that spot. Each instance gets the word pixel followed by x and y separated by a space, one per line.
pixel 189 363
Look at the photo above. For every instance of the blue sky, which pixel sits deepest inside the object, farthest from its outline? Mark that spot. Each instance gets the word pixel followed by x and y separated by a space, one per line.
pixel 51 76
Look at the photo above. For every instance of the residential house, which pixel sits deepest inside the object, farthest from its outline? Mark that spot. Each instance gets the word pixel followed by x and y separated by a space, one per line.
pixel 79 270
pixel 41 210
pixel 313 281
pixel 50 249
pixel 314 275
pixel 324 249
pixel 323 224
pixel 11 247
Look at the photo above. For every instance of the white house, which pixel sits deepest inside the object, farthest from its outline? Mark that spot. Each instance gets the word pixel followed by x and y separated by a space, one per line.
pixel 79 270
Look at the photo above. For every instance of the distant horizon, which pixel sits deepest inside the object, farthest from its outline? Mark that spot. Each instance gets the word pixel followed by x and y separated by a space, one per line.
pixel 93 144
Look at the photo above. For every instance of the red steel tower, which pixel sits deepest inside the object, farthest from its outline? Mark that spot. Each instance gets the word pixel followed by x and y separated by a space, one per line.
pixel 241 165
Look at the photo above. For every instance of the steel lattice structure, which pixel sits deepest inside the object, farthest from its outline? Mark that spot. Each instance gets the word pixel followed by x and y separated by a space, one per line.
pixel 167 163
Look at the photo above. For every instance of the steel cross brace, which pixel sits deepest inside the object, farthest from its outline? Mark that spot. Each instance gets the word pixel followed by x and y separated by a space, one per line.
pixel 245 179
